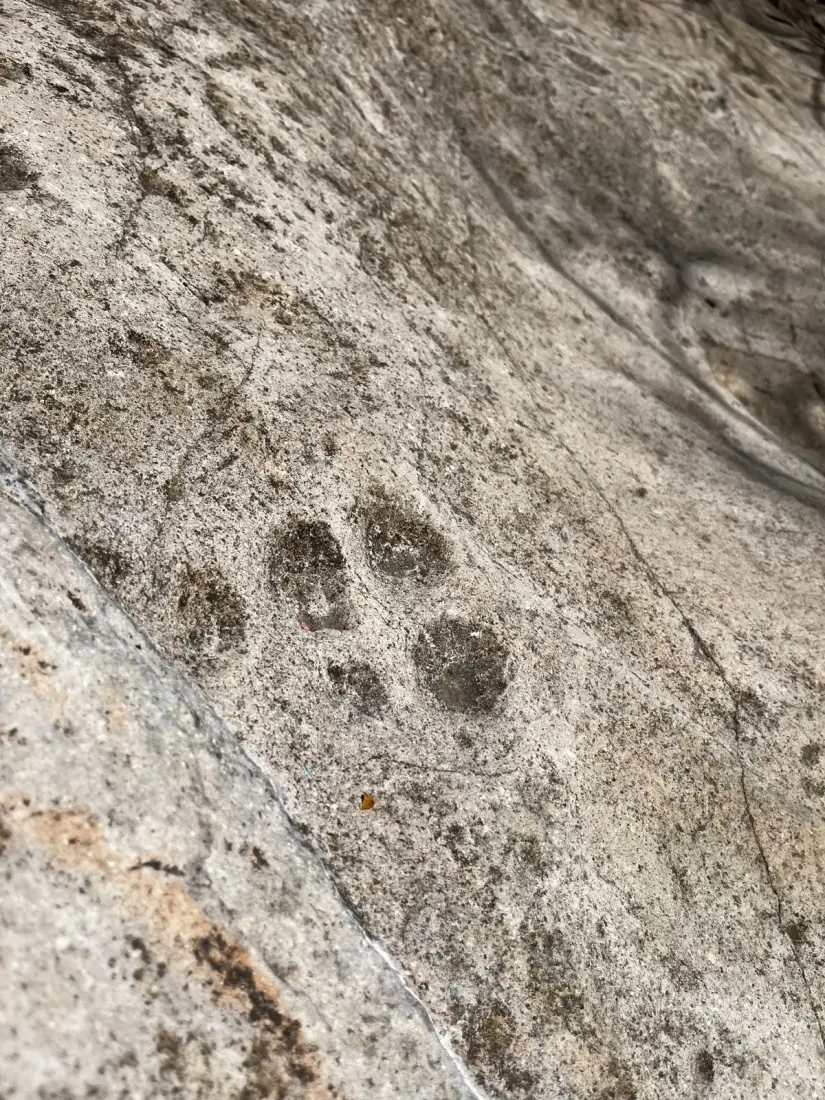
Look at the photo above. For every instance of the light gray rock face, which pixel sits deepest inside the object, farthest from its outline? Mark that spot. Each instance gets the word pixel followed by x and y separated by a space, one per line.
pixel 442 385
pixel 164 929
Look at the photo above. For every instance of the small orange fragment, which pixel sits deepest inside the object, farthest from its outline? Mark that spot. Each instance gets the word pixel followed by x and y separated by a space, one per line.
pixel 367 801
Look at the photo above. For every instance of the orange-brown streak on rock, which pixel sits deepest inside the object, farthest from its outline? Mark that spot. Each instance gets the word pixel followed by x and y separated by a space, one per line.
pixel 34 667
pixel 73 841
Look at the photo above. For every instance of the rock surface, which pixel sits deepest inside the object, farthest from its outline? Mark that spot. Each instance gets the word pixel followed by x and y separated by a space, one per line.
pixel 165 930
pixel 441 386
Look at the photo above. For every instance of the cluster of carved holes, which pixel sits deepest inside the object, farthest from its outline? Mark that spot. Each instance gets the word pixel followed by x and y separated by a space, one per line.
pixel 461 663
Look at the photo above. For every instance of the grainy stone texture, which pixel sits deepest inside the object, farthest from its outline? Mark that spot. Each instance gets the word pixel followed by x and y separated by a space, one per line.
pixel 442 385
pixel 164 929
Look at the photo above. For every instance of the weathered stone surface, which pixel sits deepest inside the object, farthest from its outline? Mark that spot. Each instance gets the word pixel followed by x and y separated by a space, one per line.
pixel 443 386
pixel 164 929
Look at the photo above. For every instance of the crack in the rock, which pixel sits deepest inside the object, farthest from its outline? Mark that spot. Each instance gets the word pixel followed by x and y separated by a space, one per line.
pixel 193 290
pixel 763 858
pixel 196 704
pixel 735 697
pixel 141 142
pixel 734 694
pixel 469 773
pixel 224 404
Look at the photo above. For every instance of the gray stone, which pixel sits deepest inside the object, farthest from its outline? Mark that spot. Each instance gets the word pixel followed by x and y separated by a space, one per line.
pixel 164 928
pixel 441 387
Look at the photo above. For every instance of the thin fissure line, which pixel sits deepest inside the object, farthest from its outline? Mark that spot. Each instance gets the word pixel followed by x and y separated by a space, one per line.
pixel 706 650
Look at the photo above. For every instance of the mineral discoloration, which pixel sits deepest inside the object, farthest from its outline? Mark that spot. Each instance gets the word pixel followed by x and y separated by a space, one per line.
pixel 441 384
pixel 188 945
pixel 132 926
